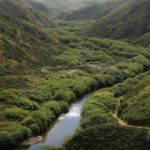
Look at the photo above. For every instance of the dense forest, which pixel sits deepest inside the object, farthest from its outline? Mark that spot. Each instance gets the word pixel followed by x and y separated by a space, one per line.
pixel 54 52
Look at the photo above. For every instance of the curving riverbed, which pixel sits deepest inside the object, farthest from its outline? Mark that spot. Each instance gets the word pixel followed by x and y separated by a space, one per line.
pixel 65 126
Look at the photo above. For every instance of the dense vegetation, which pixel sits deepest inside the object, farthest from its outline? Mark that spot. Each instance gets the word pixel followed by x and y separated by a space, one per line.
pixel 46 64
pixel 135 105
pixel 102 129
pixel 110 137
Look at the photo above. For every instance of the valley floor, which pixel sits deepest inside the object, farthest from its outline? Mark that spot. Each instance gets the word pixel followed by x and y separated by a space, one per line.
pixel 34 94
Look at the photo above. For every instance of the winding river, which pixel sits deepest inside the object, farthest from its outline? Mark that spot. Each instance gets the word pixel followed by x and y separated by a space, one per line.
pixel 64 126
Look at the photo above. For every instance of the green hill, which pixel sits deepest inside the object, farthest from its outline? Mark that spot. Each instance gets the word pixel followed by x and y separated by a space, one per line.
pixel 129 20
pixel 51 12
pixel 21 36
pixel 92 12
pixel 22 10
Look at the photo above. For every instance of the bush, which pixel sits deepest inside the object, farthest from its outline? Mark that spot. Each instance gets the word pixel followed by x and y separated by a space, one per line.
pixel 52 106
pixel 105 80
pixel 98 110
pixel 17 114
pixel 15 97
pixel 43 118
pixel 14 138
pixel 115 72
pixel 68 96
pixel 40 94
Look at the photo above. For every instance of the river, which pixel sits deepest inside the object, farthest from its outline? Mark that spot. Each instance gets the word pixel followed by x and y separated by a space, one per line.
pixel 64 126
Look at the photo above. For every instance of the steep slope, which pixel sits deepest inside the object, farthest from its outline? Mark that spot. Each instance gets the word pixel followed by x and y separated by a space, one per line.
pixel 23 43
pixel 51 12
pixel 129 20
pixel 22 9
pixel 93 12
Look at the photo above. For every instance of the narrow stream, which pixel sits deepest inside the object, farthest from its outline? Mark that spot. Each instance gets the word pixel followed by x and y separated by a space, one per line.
pixel 65 125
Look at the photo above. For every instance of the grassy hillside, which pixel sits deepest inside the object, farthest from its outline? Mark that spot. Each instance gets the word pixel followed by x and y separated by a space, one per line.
pixel 129 20
pixel 135 105
pixel 17 8
pixel 23 43
pixel 51 12
pixel 92 12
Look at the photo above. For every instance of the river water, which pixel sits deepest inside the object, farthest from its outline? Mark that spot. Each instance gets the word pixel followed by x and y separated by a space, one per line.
pixel 65 126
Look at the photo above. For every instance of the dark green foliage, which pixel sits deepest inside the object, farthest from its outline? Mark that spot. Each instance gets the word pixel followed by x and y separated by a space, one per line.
pixel 109 137
pixel 39 94
pixel 12 82
pixel 115 72
pixel 56 107
pixel 39 121
pixel 135 105
pixel 16 98
pixel 14 114
pixel 64 95
pixel 19 134
pixel 98 110
pixel 144 40
pixel 105 80
pixel 65 86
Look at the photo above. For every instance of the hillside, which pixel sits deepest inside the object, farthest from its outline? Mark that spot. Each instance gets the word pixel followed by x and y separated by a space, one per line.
pixel 48 64
pixel 23 10
pixel 129 20
pixel 51 12
pixel 69 5
pixel 23 43
pixel 92 12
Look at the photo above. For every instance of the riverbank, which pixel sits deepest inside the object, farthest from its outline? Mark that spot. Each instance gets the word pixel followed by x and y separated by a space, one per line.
pixel 63 127
pixel 95 84
pixel 105 118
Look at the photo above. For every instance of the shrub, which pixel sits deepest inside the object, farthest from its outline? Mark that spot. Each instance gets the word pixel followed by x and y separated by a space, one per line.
pixel 52 106
pixel 15 114
pixel 9 138
pixel 115 72
pixel 40 94
pixel 98 109
pixel 64 95
pixel 15 97
pixel 105 80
